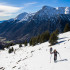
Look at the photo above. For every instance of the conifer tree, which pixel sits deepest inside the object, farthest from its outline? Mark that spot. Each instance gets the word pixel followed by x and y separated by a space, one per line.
pixel 11 50
pixel 38 39
pixel 57 31
pixel 25 43
pixel 53 38
pixel 42 38
pixel 46 36
pixel 20 45
pixel 30 42
pixel 67 28
pixel 34 41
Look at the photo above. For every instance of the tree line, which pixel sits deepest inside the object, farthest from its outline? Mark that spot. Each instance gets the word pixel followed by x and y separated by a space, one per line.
pixel 46 36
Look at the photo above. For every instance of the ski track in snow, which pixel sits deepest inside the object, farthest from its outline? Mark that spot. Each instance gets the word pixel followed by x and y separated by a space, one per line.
pixel 37 57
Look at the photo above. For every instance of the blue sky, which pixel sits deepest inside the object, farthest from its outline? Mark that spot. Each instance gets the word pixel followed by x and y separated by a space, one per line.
pixel 11 8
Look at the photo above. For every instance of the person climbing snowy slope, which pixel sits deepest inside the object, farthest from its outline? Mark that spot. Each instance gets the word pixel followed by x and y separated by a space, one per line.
pixel 51 49
pixel 55 55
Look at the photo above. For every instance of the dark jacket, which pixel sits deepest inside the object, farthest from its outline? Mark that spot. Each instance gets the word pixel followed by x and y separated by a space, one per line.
pixel 55 53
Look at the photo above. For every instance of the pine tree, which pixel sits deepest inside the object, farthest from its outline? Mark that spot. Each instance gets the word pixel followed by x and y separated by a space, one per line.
pixel 34 41
pixel 53 38
pixel 38 39
pixel 42 38
pixel 25 43
pixel 11 50
pixel 46 36
pixel 20 45
pixel 67 28
pixel 57 31
pixel 30 42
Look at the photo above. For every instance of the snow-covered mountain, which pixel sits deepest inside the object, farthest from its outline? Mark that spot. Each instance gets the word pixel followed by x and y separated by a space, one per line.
pixel 63 10
pixel 24 17
pixel 29 24
pixel 27 17
pixel 48 12
pixel 45 12
pixel 12 19
pixel 21 16
pixel 1 21
pixel 37 57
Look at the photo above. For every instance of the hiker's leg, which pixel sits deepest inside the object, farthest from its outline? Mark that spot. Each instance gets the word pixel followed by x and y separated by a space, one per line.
pixel 55 58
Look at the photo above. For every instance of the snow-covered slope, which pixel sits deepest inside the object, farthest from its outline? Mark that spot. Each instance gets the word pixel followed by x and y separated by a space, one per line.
pixel 21 16
pixel 67 10
pixel 63 10
pixel 46 12
pixel 37 57
pixel 27 17
pixel 24 17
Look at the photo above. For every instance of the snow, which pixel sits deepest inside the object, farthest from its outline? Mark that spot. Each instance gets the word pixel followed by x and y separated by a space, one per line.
pixel 21 16
pixel 27 17
pixel 63 10
pixel 67 10
pixel 45 13
pixel 37 57
pixel 24 17
pixel 48 12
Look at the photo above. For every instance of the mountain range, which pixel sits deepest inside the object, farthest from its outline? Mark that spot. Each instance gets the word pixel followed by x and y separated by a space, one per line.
pixel 27 25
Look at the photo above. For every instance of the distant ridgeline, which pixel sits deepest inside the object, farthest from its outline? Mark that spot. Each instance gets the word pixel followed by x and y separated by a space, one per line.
pixel 27 25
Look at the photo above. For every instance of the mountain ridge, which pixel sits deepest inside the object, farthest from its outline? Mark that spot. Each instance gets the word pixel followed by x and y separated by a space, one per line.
pixel 45 19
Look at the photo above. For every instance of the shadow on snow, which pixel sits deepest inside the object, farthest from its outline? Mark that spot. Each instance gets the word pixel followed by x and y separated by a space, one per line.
pixel 62 60
pixel 61 42
pixel 62 38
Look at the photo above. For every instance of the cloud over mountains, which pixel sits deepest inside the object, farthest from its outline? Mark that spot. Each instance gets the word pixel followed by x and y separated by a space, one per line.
pixel 6 10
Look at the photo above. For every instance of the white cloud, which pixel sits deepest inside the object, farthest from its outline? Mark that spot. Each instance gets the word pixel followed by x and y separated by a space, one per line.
pixel 8 10
pixel 28 4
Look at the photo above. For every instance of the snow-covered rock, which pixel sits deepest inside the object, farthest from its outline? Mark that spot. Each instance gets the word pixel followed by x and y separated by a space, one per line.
pixel 24 17
pixel 63 10
pixel 27 17
pixel 21 16
pixel 67 10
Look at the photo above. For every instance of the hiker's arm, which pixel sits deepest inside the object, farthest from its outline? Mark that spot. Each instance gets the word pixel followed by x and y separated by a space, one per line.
pixel 58 52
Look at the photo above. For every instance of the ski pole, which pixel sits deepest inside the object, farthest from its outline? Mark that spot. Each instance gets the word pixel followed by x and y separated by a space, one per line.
pixel 59 56
pixel 50 58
